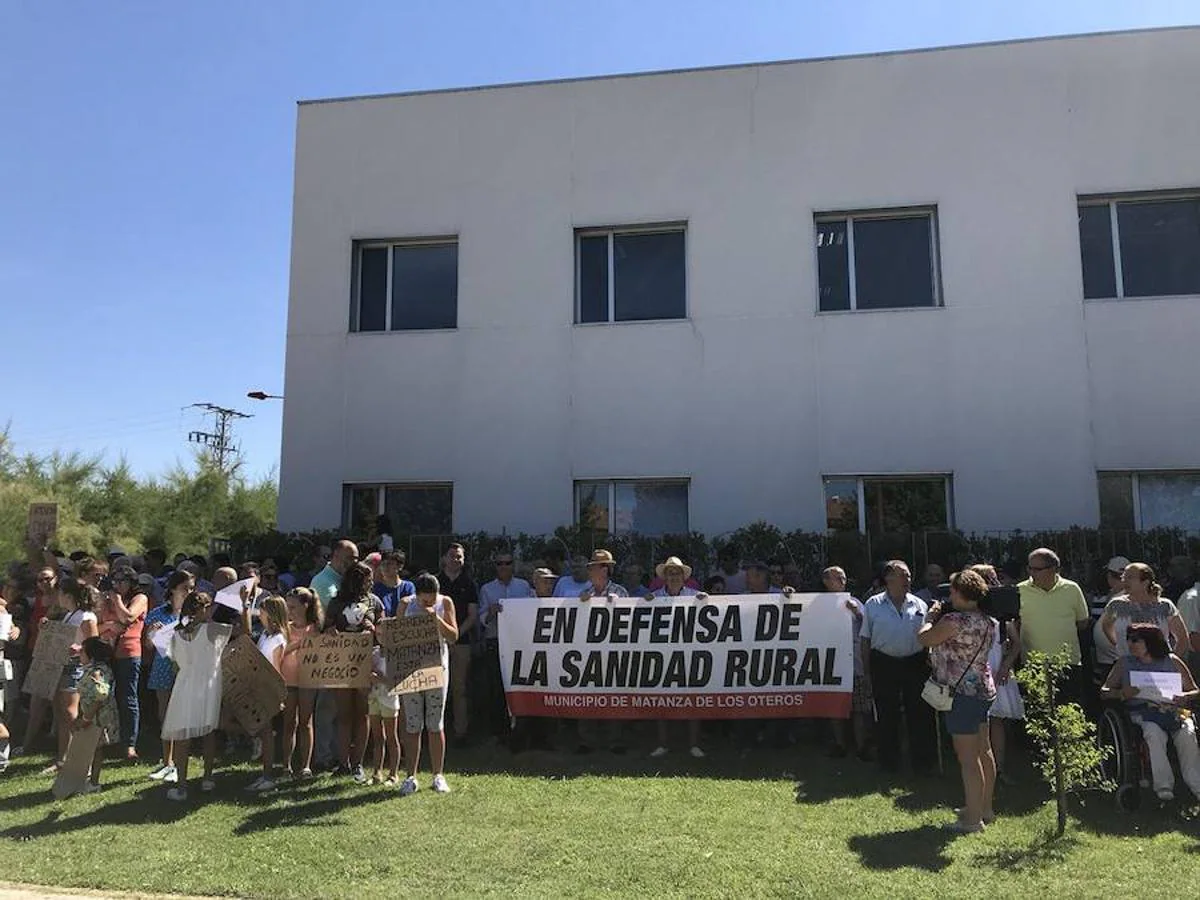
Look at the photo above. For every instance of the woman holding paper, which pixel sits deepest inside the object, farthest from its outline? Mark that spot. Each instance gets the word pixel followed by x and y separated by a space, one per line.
pixel 156 640
pixel 1158 687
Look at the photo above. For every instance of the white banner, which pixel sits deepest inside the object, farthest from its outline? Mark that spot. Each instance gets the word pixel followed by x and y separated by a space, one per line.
pixel 757 656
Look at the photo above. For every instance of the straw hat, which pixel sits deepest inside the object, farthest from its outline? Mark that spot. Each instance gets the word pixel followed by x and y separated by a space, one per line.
pixel 673 562
pixel 602 558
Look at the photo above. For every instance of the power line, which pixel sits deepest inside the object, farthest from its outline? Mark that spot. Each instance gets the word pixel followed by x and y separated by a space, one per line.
pixel 221 448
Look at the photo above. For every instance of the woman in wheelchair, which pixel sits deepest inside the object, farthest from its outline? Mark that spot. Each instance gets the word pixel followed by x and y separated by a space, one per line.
pixel 1158 716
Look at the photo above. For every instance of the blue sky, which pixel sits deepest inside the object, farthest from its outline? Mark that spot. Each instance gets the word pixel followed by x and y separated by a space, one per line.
pixel 146 166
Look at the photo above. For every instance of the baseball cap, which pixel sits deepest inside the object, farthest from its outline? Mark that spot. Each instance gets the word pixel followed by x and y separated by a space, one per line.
pixel 1117 565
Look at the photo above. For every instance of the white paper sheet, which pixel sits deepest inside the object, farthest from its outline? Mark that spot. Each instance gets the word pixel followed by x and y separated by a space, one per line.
pixel 1157 685
pixel 161 639
pixel 232 595
pixel 5 626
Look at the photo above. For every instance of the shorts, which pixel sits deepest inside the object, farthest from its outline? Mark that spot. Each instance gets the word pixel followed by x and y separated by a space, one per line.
pixel 382 704
pixel 424 709
pixel 968 714
pixel 72 672
pixel 861 700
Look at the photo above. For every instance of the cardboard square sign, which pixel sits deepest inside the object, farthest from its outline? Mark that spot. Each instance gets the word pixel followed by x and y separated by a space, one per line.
pixel 252 691
pixel 412 652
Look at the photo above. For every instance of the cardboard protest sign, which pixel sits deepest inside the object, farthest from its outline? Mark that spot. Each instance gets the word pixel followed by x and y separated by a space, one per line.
pixel 73 774
pixel 758 656
pixel 335 661
pixel 252 691
pixel 51 653
pixel 43 523
pixel 412 652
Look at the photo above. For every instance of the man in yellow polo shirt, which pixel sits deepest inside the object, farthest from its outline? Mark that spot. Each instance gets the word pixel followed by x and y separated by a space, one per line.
pixel 1053 611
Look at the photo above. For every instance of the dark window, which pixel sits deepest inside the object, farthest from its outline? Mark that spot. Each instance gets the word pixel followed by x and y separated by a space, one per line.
pixel 1160 247
pixel 648 281
pixel 361 508
pixel 372 290
pixel 876 262
pixel 593 278
pixel 406 286
pixel 1096 252
pixel 1116 501
pixel 841 504
pixel 420 509
pixel 908 504
pixel 643 506
pixel 833 268
pixel 424 286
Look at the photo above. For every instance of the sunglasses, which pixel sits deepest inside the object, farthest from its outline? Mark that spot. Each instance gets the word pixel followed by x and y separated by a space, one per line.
pixel 46 580
pixel 1040 568
pixel 504 562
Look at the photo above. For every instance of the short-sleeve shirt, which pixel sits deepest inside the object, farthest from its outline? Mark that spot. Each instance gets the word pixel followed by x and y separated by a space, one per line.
pixel 1124 612
pixel 463 593
pixel 1048 618
pixel 962 661
pixel 494 593
pixel 391 597
pixel 162 670
pixel 1189 608
pixel 325 584
pixel 893 631
pixel 269 643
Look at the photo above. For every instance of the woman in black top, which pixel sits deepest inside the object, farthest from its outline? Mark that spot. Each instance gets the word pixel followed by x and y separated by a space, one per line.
pixel 354 610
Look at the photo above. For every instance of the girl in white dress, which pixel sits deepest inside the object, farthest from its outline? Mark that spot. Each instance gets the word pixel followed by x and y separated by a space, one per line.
pixel 195 706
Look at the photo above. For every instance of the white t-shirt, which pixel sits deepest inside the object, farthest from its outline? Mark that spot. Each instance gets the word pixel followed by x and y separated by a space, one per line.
pixel 77 618
pixel 269 643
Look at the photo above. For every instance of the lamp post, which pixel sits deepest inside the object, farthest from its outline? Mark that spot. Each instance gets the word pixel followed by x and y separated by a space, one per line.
pixel 262 395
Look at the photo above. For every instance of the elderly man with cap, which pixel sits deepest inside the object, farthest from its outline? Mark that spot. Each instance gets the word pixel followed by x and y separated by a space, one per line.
pixel 674 574
pixel 601 588
pixel 896 666
pixel 533 732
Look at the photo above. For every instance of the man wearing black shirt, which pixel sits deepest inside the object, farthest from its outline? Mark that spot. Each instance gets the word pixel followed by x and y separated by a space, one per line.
pixel 458 586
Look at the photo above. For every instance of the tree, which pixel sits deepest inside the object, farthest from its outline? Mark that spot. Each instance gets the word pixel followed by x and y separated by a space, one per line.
pixel 1071 759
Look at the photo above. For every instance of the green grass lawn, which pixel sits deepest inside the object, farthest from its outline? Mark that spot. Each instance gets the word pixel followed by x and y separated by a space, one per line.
pixel 773 823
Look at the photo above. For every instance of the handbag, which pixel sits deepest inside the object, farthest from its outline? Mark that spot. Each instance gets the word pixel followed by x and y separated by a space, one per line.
pixel 941 696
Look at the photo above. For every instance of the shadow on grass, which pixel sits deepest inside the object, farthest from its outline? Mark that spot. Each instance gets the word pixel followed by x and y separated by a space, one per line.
pixel 143 808
pixel 917 848
pixel 1048 850
pixel 318 813
pixel 1100 814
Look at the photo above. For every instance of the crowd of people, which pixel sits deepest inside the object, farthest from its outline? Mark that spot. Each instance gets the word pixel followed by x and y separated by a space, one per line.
pixel 941 639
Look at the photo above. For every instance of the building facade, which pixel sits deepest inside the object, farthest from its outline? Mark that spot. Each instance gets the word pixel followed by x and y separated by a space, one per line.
pixel 947 288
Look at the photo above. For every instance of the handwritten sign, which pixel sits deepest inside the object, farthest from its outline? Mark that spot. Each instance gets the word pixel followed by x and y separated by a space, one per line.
pixel 335 661
pixel 412 651
pixel 43 523
pixel 51 653
pixel 252 691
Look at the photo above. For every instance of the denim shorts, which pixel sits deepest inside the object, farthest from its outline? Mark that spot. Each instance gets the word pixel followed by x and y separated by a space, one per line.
pixel 71 674
pixel 967 714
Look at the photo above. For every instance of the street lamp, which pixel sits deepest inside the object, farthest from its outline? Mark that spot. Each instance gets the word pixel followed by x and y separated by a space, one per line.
pixel 261 395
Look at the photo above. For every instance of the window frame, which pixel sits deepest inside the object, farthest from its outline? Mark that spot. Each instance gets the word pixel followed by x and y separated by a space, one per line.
pixel 381 489
pixel 1111 201
pixel 612 496
pixel 876 214
pixel 390 244
pixel 1135 488
pixel 611 232
pixel 861 481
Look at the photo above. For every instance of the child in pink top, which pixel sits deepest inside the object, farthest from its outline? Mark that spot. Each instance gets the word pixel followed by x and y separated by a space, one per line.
pixel 305 618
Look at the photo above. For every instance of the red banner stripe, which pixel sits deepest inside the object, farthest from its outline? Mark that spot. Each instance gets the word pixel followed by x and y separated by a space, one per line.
pixel 682 705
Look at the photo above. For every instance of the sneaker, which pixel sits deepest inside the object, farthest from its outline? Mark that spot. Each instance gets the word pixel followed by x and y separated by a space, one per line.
pixel 409 786
pixel 306 774
pixel 658 752
pixel 257 784
pixel 697 753
pixel 360 777
pixel 265 784
pixel 440 786
pixel 51 769
pixel 177 794
pixel 391 781
pixel 207 786
pixel 90 788
pixel 161 773
pixel 131 756
pixel 171 777
pixel 16 751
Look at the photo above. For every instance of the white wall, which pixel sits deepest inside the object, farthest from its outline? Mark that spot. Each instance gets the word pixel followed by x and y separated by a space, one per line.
pixel 1016 387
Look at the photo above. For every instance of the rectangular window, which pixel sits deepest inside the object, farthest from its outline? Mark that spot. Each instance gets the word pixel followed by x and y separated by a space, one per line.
pixel 1140 247
pixel 880 505
pixel 642 506
pixel 414 509
pixel 877 260
pixel 630 275
pixel 1140 501
pixel 405 286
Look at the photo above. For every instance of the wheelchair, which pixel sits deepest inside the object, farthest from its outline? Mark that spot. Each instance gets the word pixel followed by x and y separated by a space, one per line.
pixel 1128 762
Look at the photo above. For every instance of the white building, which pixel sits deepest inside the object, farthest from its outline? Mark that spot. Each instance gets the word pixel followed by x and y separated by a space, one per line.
pixel 507 302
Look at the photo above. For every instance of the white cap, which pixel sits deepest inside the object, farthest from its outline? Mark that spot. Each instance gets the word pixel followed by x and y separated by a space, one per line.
pixel 1117 565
